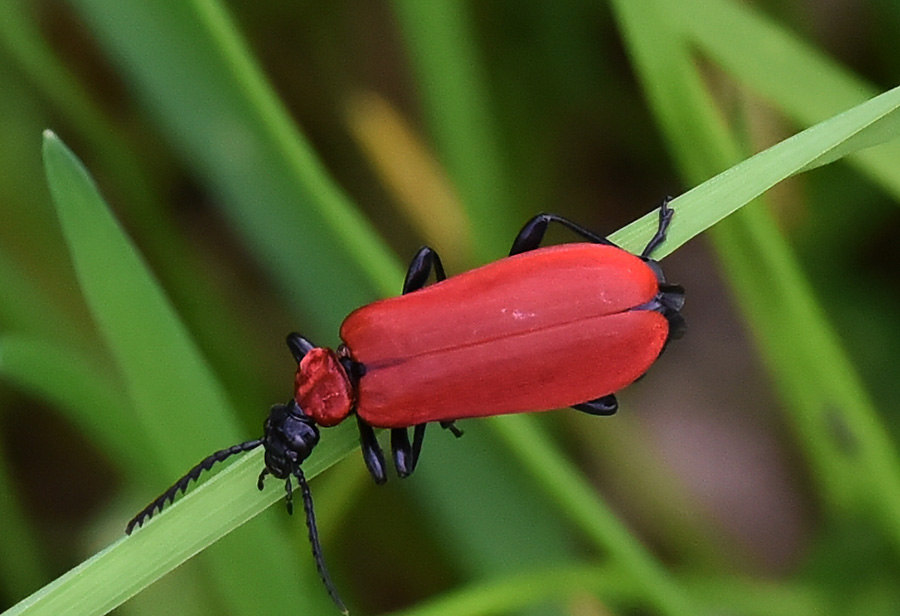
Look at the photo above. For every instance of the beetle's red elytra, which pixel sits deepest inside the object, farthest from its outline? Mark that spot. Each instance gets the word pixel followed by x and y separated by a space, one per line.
pixel 544 328
pixel 541 330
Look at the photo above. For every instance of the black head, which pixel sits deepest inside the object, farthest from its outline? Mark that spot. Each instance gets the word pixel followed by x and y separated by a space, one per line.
pixel 289 436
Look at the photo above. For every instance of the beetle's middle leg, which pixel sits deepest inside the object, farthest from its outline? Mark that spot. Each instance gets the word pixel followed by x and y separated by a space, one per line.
pixel 532 234
pixel 406 454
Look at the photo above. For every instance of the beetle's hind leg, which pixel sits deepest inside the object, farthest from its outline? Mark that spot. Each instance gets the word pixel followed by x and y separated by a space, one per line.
pixel 602 406
pixel 532 234
pixel 450 425
pixel 665 218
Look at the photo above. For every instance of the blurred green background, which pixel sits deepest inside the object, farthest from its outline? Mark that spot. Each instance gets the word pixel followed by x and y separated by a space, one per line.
pixel 276 163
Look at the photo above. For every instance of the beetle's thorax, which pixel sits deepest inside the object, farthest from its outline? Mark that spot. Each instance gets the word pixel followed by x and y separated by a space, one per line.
pixel 322 388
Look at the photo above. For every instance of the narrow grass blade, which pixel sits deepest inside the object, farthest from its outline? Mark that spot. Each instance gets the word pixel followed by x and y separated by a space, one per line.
pixel 203 516
pixel 850 452
pixel 455 94
pixel 81 387
pixel 175 396
pixel 230 127
pixel 874 121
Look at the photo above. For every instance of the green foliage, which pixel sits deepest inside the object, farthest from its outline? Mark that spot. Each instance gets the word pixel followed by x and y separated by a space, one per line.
pixel 147 291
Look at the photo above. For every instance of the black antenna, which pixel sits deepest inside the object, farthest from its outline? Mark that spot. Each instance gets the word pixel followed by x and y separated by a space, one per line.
pixel 314 537
pixel 181 485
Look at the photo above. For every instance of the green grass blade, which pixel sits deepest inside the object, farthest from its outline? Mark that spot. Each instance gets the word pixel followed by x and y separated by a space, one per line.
pixel 826 401
pixel 500 596
pixel 81 387
pixel 176 398
pixel 21 568
pixel 579 500
pixel 454 92
pixel 779 66
pixel 228 124
pixel 164 373
pixel 203 516
pixel 718 594
pixel 135 180
pixel 25 307
pixel 873 121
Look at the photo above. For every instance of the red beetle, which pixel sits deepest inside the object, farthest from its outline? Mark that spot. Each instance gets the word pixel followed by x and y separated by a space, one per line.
pixel 545 328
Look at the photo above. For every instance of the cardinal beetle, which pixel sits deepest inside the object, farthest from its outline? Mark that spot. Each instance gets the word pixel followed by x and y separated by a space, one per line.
pixel 544 328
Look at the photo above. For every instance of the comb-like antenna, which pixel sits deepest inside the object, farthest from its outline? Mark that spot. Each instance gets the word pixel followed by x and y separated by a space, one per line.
pixel 314 540
pixel 181 485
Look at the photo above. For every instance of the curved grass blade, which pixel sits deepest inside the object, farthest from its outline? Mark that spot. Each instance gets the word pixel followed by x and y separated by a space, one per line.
pixel 175 396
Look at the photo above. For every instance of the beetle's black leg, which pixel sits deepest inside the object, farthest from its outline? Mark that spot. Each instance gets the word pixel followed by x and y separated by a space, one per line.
pixel 532 234
pixel 406 455
pixel 402 452
pixel 289 495
pixel 371 451
pixel 605 405
pixel 420 268
pixel 665 218
pixel 418 439
pixel 299 345
pixel 261 480
pixel 449 425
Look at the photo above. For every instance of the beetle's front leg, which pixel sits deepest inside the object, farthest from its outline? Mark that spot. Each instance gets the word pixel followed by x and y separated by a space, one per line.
pixel 424 261
pixel 299 345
